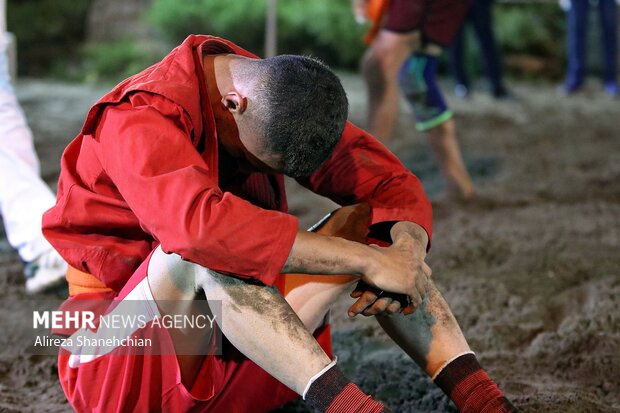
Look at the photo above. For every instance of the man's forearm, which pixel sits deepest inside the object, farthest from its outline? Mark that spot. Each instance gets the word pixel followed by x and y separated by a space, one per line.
pixel 319 254
pixel 399 268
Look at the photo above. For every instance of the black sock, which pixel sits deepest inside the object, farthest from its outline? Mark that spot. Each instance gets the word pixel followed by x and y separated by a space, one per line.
pixel 471 388
pixel 333 392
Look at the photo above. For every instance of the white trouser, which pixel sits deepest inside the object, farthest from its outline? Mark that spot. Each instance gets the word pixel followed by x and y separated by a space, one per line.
pixel 23 194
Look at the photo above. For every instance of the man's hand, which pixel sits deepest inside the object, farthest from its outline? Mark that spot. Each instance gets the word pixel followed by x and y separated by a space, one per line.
pixel 373 301
pixel 398 269
pixel 397 274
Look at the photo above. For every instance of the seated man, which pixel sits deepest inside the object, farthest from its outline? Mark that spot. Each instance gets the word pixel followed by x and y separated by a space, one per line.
pixel 173 190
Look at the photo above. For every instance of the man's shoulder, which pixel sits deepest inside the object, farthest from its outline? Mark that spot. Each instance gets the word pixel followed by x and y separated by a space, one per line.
pixel 167 85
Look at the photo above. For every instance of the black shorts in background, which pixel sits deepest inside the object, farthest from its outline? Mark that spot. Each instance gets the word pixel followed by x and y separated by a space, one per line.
pixel 438 20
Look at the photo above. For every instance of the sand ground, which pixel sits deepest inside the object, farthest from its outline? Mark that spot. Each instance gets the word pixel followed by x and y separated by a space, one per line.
pixel 531 269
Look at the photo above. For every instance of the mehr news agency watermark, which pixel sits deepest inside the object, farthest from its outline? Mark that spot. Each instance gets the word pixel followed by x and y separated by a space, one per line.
pixel 124 327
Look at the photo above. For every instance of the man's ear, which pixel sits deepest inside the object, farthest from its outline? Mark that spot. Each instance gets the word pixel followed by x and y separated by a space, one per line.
pixel 234 102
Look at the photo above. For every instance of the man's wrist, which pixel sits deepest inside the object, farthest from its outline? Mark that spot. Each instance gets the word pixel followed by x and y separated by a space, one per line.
pixel 411 230
pixel 364 259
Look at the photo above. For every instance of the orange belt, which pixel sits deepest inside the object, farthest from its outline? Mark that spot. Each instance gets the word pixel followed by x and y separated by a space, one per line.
pixel 83 282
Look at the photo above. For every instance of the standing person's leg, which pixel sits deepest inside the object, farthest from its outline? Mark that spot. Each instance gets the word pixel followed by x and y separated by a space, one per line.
pixel 433 117
pixel 482 20
pixel 380 68
pixel 418 79
pixel 577 24
pixel 445 147
pixel 608 11
pixel 23 194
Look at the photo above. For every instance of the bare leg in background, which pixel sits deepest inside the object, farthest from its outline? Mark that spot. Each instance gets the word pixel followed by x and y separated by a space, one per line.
pixel 380 68
pixel 444 144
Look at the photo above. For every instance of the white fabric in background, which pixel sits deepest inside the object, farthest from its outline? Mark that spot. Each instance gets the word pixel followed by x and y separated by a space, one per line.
pixel 23 194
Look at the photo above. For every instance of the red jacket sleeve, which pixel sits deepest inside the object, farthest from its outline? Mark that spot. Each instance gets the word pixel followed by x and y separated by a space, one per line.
pixel 361 169
pixel 145 149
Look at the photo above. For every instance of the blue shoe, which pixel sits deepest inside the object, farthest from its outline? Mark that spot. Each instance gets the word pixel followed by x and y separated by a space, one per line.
pixel 461 91
pixel 611 89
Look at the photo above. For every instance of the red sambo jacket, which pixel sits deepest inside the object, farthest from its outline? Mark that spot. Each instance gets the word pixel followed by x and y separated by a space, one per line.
pixel 144 170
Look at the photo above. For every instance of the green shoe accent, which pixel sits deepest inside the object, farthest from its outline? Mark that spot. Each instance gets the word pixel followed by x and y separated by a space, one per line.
pixel 436 121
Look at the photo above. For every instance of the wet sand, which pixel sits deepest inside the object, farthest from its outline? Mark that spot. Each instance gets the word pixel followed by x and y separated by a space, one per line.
pixel 531 269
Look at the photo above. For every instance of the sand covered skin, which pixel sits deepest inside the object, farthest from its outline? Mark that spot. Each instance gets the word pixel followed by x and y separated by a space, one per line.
pixel 531 270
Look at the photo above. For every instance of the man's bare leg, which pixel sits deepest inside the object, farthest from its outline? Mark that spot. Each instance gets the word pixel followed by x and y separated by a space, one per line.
pixel 175 282
pixel 254 317
pixel 380 68
pixel 257 316
pixel 445 147
pixel 430 336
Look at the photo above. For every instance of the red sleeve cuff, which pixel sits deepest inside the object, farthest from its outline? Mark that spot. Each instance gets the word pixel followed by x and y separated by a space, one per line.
pixel 423 218
pixel 286 232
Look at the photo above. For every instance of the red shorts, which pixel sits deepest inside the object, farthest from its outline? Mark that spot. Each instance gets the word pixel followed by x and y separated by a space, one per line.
pixel 226 383
pixel 438 20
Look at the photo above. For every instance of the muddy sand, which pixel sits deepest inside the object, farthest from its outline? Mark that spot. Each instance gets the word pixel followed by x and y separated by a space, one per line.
pixel 531 269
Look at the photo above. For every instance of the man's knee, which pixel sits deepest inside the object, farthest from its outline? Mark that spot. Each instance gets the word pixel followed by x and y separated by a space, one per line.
pixel 238 292
pixel 379 57
pixel 170 277
pixel 374 71
pixel 418 81
pixel 415 78
pixel 391 48
pixel 382 59
pixel 215 283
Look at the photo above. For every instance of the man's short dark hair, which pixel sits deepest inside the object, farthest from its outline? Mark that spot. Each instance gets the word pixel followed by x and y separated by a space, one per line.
pixel 304 109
